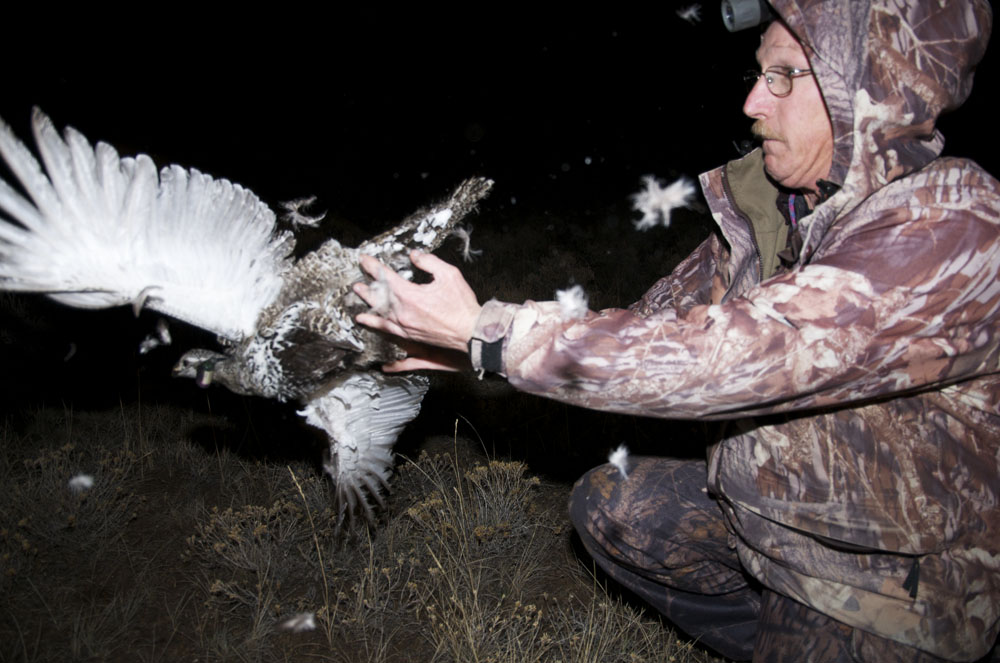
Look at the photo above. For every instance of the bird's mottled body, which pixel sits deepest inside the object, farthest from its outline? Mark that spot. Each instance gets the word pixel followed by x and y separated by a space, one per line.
pixel 97 230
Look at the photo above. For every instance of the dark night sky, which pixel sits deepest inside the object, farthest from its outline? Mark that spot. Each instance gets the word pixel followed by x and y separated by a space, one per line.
pixel 398 108
pixel 375 111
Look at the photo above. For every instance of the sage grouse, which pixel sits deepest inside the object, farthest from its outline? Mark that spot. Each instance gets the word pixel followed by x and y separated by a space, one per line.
pixel 96 230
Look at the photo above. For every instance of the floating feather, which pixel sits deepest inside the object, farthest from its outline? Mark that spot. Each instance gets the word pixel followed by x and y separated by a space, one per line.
pixel 691 13
pixel 619 458
pixel 572 303
pixel 465 234
pixel 656 202
pixel 294 213
pixel 304 621
pixel 81 482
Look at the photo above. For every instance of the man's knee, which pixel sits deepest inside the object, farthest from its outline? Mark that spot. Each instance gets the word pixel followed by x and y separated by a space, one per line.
pixel 658 502
pixel 592 493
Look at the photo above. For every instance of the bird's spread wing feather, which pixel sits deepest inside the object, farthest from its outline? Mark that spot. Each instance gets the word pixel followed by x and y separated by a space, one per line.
pixel 427 228
pixel 363 415
pixel 96 230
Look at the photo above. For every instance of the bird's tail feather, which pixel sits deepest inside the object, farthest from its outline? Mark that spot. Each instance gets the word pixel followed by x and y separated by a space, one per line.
pixel 363 415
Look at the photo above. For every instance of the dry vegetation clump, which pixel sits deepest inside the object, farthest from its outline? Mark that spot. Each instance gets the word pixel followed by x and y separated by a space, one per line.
pixel 41 511
pixel 473 535
pixel 471 560
pixel 60 546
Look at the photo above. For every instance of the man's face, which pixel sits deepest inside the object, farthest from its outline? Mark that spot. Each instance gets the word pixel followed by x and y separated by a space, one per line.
pixel 798 136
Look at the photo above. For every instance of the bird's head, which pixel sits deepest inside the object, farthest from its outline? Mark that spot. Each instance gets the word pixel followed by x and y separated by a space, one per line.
pixel 199 364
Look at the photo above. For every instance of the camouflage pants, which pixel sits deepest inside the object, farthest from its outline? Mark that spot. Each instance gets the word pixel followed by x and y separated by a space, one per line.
pixel 662 536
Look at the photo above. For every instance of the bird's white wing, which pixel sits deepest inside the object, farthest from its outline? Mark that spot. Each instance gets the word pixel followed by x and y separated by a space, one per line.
pixel 363 414
pixel 96 230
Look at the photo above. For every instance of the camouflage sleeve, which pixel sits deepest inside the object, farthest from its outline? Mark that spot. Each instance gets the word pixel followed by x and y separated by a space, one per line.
pixel 696 280
pixel 904 295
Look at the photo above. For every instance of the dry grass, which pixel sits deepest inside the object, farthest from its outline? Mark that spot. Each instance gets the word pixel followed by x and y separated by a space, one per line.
pixel 471 560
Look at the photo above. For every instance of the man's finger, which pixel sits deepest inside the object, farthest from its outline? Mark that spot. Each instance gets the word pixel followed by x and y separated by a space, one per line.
pixel 416 364
pixel 380 323
pixel 369 320
pixel 377 269
pixel 370 265
pixel 428 262
pixel 363 291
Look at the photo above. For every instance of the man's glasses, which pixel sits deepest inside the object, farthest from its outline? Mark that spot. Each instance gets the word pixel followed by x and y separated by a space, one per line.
pixel 778 79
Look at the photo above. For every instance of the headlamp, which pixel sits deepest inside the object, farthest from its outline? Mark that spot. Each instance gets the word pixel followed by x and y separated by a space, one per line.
pixel 743 14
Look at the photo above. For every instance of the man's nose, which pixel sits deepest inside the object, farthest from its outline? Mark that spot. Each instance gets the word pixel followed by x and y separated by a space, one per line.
pixel 759 100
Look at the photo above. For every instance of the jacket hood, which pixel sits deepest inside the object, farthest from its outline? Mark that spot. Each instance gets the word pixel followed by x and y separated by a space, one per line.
pixel 887 70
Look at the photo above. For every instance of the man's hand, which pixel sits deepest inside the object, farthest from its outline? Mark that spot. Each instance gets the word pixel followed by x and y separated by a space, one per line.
pixel 422 356
pixel 441 313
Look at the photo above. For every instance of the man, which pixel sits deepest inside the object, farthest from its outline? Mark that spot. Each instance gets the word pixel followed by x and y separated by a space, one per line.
pixel 847 329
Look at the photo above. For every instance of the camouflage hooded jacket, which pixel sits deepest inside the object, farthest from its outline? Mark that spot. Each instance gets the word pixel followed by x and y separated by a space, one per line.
pixel 860 471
